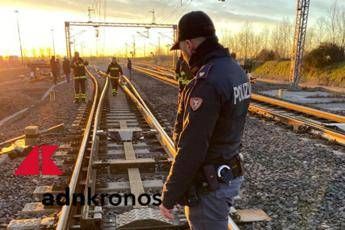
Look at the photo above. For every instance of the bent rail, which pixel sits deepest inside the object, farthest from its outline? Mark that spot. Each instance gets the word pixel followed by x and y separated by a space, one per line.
pixel 149 117
pixel 65 212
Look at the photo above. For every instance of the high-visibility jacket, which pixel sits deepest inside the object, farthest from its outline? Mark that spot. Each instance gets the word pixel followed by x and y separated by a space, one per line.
pixel 78 66
pixel 114 70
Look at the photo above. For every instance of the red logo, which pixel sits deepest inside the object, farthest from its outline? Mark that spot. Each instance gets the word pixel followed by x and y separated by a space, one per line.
pixel 39 162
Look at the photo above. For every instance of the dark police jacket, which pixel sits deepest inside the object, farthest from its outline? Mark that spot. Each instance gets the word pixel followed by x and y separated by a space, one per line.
pixel 78 66
pixel 210 119
pixel 114 69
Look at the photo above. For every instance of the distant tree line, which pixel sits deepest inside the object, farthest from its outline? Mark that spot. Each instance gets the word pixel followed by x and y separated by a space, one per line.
pixel 326 35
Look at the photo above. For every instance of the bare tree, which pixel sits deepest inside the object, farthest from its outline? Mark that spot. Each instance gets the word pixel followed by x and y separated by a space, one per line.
pixel 281 38
pixel 332 22
pixel 320 28
pixel 341 26
pixel 265 36
pixel 311 39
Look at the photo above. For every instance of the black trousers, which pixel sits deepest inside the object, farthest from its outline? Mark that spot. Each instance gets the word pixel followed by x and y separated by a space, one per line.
pixel 79 85
pixel 115 83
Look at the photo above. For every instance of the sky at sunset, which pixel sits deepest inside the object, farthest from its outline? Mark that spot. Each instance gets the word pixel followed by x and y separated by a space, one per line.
pixel 37 19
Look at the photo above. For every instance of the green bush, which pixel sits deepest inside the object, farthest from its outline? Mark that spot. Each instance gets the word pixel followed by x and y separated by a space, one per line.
pixel 326 54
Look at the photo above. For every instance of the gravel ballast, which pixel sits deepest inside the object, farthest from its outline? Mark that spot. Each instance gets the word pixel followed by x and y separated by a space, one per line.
pixel 296 179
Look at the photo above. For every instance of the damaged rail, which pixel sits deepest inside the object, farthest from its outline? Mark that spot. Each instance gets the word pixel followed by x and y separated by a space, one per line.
pixel 123 127
pixel 66 209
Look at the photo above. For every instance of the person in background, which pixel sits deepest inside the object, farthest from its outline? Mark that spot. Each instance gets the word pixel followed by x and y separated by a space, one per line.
pixel 129 67
pixel 54 69
pixel 66 67
pixel 58 68
pixel 78 66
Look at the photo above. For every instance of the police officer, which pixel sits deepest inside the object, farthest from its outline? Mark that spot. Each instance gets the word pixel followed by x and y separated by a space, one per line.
pixel 78 66
pixel 208 169
pixel 115 71
pixel 182 73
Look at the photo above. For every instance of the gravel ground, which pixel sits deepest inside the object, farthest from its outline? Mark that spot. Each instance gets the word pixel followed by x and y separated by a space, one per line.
pixel 45 114
pixel 17 91
pixel 297 180
pixel 15 191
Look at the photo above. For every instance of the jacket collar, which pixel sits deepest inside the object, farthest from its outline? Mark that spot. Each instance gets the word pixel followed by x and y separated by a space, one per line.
pixel 206 51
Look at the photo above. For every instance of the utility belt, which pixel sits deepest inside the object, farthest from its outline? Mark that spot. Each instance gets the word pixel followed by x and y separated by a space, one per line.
pixel 212 176
pixel 79 77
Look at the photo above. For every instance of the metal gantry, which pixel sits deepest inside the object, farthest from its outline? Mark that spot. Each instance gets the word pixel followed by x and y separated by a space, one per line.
pixel 299 40
pixel 68 25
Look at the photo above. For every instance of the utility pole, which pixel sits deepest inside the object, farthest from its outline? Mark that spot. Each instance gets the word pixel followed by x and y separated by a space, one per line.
pixel 19 37
pixel 144 49
pixel 299 41
pixel 159 46
pixel 89 12
pixel 153 16
pixel 133 55
pixel 52 30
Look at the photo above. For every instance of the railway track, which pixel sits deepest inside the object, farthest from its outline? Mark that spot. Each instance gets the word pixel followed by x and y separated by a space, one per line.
pixel 36 214
pixel 123 158
pixel 129 161
pixel 304 119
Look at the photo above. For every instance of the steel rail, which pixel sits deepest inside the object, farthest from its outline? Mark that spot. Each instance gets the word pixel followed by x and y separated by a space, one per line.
pixel 297 123
pixel 160 77
pixel 159 71
pixel 166 69
pixel 272 101
pixel 315 127
pixel 90 176
pixel 66 209
pixel 299 108
pixel 148 115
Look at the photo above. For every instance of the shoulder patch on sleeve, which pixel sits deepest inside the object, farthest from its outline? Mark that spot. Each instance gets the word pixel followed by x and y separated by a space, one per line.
pixel 204 70
pixel 195 103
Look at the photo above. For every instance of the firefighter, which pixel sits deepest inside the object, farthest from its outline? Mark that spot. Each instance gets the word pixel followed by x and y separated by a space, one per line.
pixel 182 73
pixel 78 66
pixel 207 171
pixel 115 72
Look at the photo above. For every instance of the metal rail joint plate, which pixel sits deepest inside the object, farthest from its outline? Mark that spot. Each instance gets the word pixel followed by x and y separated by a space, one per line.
pixel 142 218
